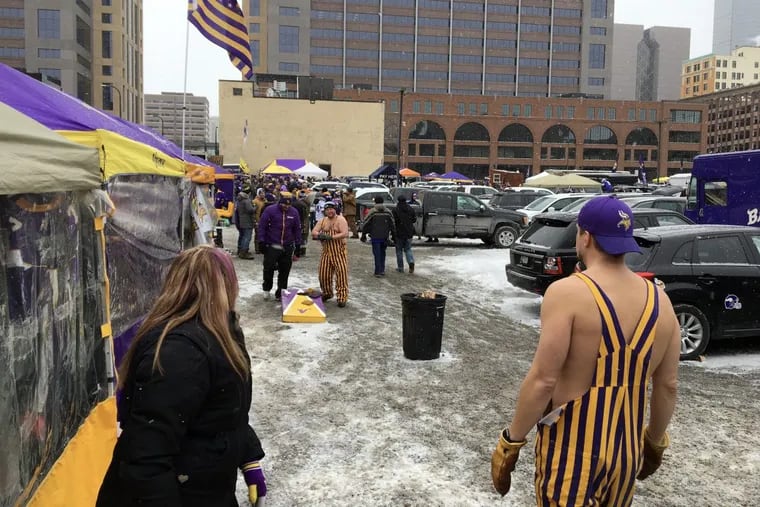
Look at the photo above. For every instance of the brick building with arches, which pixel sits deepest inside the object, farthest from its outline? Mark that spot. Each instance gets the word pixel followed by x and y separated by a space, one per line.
pixel 474 134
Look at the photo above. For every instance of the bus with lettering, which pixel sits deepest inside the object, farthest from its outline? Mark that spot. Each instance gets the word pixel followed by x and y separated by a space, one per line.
pixel 725 189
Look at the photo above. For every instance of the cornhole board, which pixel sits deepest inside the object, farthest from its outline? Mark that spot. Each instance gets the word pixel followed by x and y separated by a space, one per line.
pixel 297 307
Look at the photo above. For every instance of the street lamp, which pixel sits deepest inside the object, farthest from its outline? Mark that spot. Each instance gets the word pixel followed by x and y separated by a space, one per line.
pixel 216 140
pixel 109 85
pixel 162 122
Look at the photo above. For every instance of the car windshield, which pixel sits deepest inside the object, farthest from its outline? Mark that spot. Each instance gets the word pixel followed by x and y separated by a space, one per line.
pixel 638 262
pixel 577 205
pixel 550 233
pixel 540 203
pixel 369 196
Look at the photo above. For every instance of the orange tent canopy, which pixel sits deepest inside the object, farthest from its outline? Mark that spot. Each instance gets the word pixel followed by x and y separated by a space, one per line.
pixel 409 173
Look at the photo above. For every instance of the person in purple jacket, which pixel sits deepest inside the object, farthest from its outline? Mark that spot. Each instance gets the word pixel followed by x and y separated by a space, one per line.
pixel 279 236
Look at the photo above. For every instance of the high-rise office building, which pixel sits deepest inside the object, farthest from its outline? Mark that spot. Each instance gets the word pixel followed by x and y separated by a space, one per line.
pixel 522 48
pixel 91 48
pixel 646 64
pixel 163 113
pixel 736 23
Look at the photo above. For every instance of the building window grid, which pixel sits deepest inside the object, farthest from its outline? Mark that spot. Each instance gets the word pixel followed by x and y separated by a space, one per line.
pixel 48 23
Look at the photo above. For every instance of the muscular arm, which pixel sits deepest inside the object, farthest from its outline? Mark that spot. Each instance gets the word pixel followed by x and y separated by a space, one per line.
pixel 665 376
pixel 553 345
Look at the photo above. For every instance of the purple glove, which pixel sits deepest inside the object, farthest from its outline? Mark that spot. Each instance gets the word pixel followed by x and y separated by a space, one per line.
pixel 254 478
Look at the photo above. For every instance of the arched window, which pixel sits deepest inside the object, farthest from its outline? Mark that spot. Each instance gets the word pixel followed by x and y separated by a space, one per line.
pixel 472 132
pixel 559 134
pixel 641 136
pixel 515 133
pixel 427 129
pixel 600 134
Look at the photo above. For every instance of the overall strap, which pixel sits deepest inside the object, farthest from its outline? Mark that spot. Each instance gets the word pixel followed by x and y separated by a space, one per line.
pixel 612 338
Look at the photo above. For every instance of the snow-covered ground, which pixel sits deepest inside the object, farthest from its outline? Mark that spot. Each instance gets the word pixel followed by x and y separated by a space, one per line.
pixel 346 420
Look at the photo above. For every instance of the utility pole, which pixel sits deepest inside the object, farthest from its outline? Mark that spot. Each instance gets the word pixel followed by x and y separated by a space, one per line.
pixel 400 125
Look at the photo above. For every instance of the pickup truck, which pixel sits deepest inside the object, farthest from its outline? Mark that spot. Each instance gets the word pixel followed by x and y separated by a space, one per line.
pixel 442 214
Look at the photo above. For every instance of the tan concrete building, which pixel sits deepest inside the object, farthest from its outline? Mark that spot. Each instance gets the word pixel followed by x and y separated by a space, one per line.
pixel 473 134
pixel 733 119
pixel 712 73
pixel 117 68
pixel 344 138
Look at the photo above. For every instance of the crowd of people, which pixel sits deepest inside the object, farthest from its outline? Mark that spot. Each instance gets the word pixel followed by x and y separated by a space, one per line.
pixel 285 212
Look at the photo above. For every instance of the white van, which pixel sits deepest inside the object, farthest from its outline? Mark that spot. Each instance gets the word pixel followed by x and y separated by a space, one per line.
pixel 680 180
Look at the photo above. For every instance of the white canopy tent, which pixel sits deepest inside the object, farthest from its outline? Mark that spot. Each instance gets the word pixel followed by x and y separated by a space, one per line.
pixel 311 170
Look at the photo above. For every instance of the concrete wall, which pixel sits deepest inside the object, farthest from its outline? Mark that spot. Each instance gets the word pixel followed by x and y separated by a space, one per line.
pixel 674 50
pixel 624 61
pixel 346 135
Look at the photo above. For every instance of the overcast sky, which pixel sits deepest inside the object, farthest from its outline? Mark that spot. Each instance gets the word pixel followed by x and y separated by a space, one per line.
pixel 165 25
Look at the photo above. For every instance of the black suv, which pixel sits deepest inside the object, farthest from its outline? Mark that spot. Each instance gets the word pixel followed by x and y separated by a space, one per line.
pixel 712 276
pixel 514 200
pixel 546 252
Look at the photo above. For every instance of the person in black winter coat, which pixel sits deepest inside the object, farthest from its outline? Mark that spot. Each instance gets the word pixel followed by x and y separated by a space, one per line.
pixel 405 218
pixel 184 396
pixel 244 221
pixel 380 226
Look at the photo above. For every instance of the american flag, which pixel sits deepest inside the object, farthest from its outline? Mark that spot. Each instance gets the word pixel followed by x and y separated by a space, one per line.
pixel 222 22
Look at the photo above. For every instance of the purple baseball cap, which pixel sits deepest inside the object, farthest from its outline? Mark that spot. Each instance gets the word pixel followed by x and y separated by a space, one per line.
pixel 610 221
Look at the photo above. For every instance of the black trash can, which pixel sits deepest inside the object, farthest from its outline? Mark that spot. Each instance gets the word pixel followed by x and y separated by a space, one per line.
pixel 422 320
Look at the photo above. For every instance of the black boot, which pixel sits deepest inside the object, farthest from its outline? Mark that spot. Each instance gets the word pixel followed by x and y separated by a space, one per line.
pixel 245 254
pixel 411 268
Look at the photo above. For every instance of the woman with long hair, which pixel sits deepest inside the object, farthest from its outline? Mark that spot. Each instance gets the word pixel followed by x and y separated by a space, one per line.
pixel 185 394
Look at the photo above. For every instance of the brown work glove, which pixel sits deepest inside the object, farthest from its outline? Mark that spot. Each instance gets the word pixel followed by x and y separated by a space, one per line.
pixel 653 452
pixel 503 462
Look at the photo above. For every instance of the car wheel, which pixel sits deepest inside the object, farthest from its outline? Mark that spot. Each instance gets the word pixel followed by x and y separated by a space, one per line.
pixel 504 236
pixel 695 330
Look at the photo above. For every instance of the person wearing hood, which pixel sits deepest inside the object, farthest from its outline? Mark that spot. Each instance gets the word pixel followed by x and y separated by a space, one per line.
pixel 244 220
pixel 279 238
pixel 405 217
pixel 381 227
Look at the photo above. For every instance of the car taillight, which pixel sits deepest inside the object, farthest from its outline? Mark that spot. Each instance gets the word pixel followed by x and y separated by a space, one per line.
pixel 365 212
pixel 525 220
pixel 646 274
pixel 553 266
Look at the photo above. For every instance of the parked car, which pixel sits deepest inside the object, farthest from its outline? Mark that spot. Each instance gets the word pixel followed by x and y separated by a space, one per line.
pixel 546 251
pixel 482 192
pixel 554 202
pixel 655 201
pixel 330 185
pixel 540 190
pixel 514 200
pixel 457 215
pixel 366 184
pixel 367 196
pixel 712 276
pixel 407 192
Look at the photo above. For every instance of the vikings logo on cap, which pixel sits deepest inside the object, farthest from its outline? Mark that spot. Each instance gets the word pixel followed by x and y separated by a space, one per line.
pixel 625 220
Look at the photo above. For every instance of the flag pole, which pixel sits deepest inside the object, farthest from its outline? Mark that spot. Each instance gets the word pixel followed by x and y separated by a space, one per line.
pixel 184 89
pixel 184 111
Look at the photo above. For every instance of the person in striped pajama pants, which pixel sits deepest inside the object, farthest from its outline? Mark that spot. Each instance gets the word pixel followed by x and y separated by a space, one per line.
pixel 587 387
pixel 332 232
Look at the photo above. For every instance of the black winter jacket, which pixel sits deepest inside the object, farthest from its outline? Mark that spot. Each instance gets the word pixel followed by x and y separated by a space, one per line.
pixel 405 219
pixel 379 224
pixel 244 211
pixel 186 432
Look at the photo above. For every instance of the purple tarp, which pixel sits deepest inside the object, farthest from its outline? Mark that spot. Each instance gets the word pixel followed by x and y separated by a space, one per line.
pixel 291 163
pixel 60 111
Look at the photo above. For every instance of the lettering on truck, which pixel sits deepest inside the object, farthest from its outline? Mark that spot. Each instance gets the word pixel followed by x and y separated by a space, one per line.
pixel 752 216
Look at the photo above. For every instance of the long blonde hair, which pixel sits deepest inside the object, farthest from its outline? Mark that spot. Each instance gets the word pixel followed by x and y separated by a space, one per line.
pixel 201 283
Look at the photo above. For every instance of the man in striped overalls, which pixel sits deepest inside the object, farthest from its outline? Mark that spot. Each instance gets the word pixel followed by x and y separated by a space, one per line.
pixel 332 232
pixel 587 386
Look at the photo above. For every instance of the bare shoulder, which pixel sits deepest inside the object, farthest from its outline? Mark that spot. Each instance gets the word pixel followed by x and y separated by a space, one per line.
pixel 567 292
